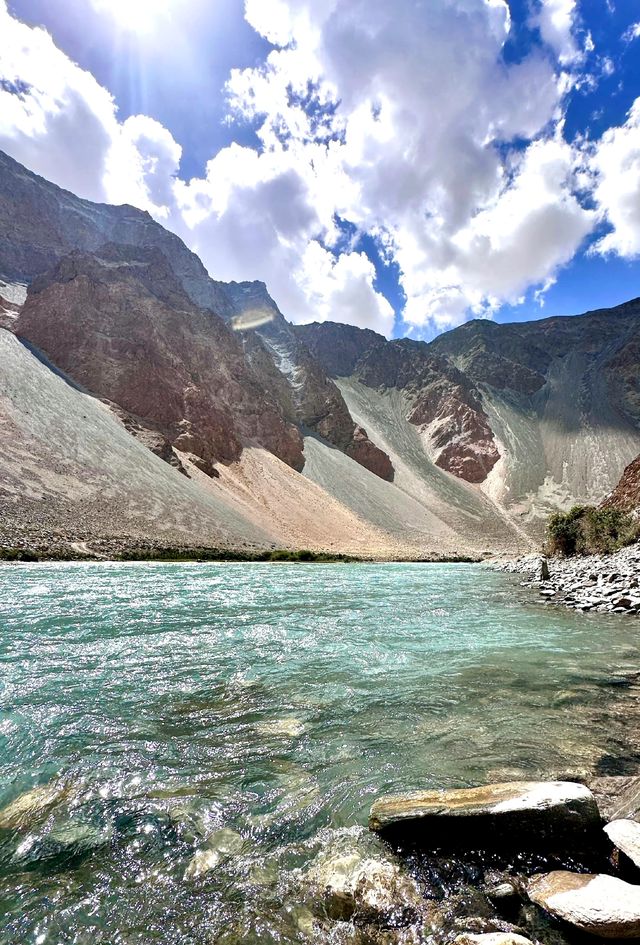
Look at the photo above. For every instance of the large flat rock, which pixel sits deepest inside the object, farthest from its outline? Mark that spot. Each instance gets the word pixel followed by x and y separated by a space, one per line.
pixel 525 813
pixel 625 835
pixel 597 904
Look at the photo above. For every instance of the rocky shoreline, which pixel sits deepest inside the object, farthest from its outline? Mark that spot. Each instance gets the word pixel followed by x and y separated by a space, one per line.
pixel 501 864
pixel 602 583
pixel 519 863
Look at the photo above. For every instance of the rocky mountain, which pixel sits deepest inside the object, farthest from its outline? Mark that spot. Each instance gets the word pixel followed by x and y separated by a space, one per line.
pixel 626 495
pixel 141 401
pixel 539 414
pixel 40 224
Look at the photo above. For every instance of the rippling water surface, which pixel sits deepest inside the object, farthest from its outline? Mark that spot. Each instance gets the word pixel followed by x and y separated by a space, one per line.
pixel 257 709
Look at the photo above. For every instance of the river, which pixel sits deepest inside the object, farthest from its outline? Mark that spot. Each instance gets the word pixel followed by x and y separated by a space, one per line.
pixel 263 706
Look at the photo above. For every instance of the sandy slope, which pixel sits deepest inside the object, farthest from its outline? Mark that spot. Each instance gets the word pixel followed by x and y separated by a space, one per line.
pixel 566 445
pixel 436 511
pixel 68 464
pixel 296 511
pixel 69 468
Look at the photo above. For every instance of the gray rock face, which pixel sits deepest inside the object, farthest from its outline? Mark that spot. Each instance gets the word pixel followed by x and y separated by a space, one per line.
pixel 530 814
pixel 625 835
pixel 597 904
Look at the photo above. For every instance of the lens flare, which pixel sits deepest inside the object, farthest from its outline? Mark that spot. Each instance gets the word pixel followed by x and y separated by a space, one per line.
pixel 136 16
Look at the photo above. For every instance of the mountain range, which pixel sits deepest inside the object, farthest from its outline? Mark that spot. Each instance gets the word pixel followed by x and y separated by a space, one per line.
pixel 143 403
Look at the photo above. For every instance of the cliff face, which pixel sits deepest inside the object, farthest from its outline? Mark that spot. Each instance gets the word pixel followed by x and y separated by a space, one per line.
pixel 558 400
pixel 318 404
pixel 121 325
pixel 40 224
pixel 440 400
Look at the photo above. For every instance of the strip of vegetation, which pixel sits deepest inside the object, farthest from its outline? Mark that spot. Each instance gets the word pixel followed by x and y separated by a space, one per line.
pixel 174 554
pixel 587 530
pixel 224 554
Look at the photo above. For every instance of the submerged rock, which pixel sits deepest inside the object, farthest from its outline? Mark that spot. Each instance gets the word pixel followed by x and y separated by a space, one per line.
pixel 288 727
pixel 65 841
pixel 523 813
pixel 625 836
pixel 598 904
pixel 362 886
pixel 220 846
pixel 31 806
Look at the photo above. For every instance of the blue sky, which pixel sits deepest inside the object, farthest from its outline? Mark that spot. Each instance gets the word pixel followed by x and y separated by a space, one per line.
pixel 483 161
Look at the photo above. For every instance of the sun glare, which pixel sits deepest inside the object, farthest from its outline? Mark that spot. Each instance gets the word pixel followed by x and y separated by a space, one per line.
pixel 136 16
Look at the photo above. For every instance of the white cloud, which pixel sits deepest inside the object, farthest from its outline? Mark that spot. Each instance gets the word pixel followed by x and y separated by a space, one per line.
pixel 556 20
pixel 141 165
pixel 419 142
pixel 57 120
pixel 533 225
pixel 614 162
pixel 419 134
pixel 631 33
pixel 61 121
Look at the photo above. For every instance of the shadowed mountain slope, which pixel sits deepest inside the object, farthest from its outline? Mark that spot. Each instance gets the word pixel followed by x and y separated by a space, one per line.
pixel 539 414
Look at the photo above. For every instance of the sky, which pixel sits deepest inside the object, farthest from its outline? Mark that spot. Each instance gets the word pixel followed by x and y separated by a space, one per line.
pixel 399 166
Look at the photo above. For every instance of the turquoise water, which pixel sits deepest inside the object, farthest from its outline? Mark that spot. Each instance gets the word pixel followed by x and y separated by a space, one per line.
pixel 168 702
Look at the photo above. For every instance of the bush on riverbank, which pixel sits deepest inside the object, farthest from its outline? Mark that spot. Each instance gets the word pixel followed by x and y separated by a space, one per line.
pixel 587 530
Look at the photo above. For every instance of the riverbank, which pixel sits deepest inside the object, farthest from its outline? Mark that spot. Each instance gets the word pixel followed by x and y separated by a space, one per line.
pixel 116 551
pixel 601 583
pixel 64 549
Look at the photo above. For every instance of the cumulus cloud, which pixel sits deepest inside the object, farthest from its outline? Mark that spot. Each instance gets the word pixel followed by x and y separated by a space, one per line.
pixel 532 226
pixel 54 117
pixel 419 141
pixel 614 162
pixel 556 20
pixel 402 121
pixel 57 120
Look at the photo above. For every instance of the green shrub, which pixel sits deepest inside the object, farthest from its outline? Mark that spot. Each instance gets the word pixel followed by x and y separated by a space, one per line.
pixel 586 530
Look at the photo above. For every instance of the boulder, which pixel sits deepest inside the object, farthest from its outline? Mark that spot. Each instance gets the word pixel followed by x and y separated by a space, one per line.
pixel 32 806
pixel 359 885
pixel 625 836
pixel 594 903
pixel 221 845
pixel 522 814
pixel 617 797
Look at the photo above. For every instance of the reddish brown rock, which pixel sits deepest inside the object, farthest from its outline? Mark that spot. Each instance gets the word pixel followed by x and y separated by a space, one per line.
pixel 364 452
pixel 626 495
pixel 120 325
pixel 443 403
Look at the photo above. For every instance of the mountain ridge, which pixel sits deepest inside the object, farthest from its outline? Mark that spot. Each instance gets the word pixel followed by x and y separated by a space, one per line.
pixel 322 435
